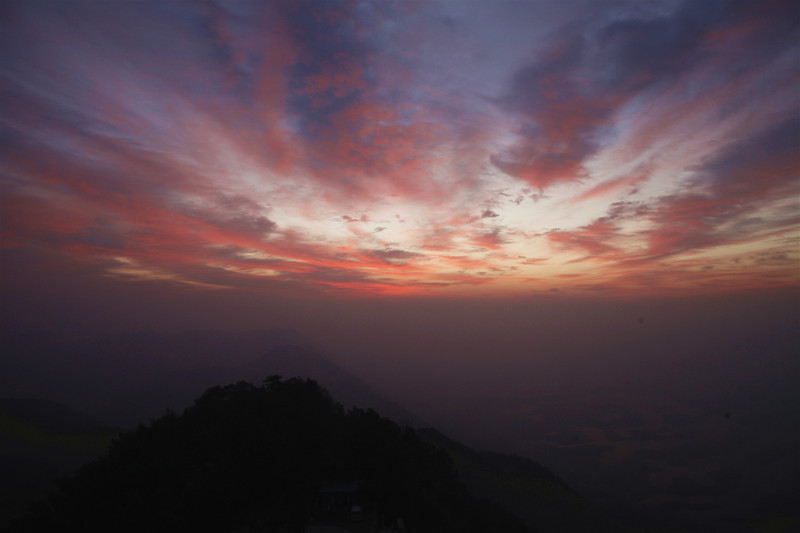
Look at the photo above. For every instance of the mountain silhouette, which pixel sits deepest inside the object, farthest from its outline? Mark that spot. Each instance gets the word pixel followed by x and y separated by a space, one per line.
pixel 273 457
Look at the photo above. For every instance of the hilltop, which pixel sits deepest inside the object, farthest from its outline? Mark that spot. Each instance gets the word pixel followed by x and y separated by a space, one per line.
pixel 273 457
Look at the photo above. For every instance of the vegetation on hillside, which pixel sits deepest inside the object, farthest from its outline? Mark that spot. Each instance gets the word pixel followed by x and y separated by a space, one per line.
pixel 258 458
pixel 526 488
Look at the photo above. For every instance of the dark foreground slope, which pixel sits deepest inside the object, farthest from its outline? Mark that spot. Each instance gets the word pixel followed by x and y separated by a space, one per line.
pixel 530 491
pixel 39 441
pixel 247 457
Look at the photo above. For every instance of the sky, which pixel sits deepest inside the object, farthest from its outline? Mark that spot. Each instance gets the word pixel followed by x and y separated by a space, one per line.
pixel 383 149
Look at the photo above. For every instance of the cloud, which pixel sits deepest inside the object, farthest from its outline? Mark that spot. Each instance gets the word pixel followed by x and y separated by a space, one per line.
pixel 492 239
pixel 612 187
pixel 730 194
pixel 646 51
pixel 595 240
pixel 567 100
pixel 393 257
pixel 363 218
pixel 360 133
pixel 235 214
pixel 441 238
pixel 343 144
pixel 737 199
pixel 557 118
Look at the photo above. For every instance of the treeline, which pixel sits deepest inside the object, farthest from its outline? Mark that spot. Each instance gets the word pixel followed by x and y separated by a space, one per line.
pixel 258 458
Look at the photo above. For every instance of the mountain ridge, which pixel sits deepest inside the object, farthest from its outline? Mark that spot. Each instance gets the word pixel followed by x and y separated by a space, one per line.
pixel 127 379
pixel 245 456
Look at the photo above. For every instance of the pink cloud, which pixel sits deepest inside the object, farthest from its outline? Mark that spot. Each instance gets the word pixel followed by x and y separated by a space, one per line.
pixel 594 240
pixel 490 238
pixel 206 150
pixel 612 187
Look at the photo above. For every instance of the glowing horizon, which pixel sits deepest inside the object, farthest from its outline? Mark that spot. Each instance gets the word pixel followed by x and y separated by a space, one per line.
pixel 379 148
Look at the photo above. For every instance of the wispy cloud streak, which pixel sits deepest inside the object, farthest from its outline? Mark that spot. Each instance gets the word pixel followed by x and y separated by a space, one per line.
pixel 405 148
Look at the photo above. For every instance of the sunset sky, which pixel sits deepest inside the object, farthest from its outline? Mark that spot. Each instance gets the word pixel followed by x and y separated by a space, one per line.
pixel 565 229
pixel 403 148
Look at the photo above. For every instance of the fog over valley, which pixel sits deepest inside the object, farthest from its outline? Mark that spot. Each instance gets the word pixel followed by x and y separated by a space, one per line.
pixel 681 412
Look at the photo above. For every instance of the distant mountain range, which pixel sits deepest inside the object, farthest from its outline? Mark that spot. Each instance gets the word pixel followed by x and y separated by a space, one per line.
pixel 127 379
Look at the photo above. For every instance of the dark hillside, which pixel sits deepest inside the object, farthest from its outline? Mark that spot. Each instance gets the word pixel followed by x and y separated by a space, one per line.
pixel 526 488
pixel 39 441
pixel 127 379
pixel 264 458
